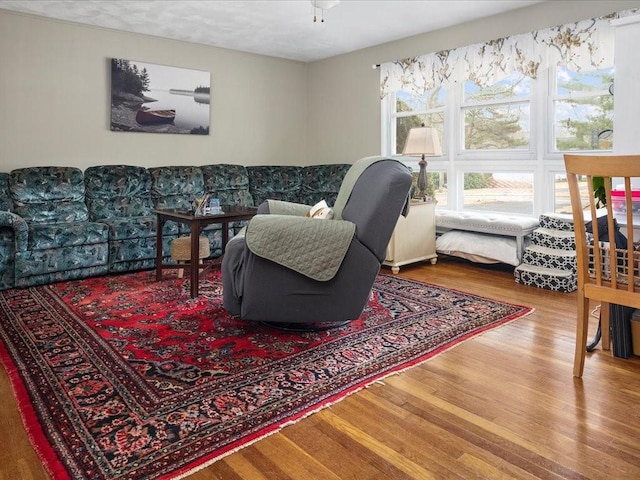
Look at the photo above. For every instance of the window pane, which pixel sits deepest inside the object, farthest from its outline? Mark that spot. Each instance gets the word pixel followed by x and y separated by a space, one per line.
pixel 583 110
pixel 570 83
pixel 584 124
pixel 515 86
pixel 439 182
pixel 499 192
pixel 404 124
pixel 497 127
pixel 407 102
pixel 562 200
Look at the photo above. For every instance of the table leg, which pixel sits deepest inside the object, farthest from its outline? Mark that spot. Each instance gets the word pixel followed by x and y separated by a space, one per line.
pixel 159 225
pixel 225 236
pixel 195 258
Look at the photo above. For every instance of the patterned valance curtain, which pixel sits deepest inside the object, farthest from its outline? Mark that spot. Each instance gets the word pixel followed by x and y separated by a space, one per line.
pixel 581 46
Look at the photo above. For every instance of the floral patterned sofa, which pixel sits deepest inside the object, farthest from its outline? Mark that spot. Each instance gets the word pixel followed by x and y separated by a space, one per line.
pixel 59 223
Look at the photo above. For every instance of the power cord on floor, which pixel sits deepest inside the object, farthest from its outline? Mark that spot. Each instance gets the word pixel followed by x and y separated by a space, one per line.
pixel 592 346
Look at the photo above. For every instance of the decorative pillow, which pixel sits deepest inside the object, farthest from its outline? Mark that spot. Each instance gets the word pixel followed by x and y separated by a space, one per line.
pixel 321 211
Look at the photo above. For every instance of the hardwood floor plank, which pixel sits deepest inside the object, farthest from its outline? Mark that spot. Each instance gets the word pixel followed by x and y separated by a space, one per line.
pixel 337 453
pixel 298 464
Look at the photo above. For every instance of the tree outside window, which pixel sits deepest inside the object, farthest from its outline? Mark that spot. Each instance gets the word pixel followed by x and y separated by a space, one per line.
pixel 497 117
pixel 583 110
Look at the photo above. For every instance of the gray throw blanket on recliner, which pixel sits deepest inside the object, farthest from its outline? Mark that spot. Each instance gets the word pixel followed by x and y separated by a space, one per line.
pixel 314 248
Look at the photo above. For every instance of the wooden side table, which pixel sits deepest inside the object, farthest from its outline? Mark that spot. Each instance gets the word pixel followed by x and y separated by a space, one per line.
pixel 414 238
pixel 231 213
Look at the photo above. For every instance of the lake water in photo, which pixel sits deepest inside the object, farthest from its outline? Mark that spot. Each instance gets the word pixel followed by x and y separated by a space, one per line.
pixel 189 112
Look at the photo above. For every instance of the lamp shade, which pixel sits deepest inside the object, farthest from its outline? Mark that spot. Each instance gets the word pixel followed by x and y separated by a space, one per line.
pixel 324 4
pixel 422 141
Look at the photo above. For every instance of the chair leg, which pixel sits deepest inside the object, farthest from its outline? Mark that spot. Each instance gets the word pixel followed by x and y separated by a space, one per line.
pixel 582 327
pixel 180 270
pixel 604 326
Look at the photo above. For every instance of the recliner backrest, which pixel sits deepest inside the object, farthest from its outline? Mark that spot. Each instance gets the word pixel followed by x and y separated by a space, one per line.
pixel 229 183
pixel 48 194
pixel 376 202
pixel 276 182
pixel 114 191
pixel 176 186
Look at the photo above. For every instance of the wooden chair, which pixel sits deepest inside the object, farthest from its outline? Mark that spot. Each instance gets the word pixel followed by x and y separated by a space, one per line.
pixel 606 273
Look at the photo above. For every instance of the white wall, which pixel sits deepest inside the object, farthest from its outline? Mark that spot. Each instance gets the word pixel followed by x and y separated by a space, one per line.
pixel 344 99
pixel 55 100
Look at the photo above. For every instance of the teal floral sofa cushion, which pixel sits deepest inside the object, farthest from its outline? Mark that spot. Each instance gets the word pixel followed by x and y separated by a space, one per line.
pixel 54 235
pixel 176 187
pixel 120 197
pixel 8 222
pixel 276 182
pixel 5 198
pixel 229 183
pixel 7 255
pixel 62 242
pixel 116 191
pixel 322 182
pixel 48 194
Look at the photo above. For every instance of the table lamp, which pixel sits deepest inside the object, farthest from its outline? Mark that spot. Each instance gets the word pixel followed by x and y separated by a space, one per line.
pixel 422 141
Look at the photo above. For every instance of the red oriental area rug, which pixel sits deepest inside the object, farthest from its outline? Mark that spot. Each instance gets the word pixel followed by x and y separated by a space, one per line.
pixel 122 377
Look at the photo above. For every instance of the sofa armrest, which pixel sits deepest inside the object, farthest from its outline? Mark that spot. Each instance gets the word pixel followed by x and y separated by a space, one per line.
pixel 19 226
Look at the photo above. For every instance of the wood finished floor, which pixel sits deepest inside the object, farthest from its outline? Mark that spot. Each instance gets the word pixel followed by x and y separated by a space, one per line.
pixel 502 405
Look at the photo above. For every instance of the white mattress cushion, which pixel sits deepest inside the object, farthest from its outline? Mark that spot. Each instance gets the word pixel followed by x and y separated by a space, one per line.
pixel 493 223
pixel 478 247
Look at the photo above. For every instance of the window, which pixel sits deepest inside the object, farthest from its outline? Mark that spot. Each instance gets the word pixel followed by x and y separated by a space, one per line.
pixel 510 192
pixel 438 182
pixel 583 110
pixel 503 143
pixel 497 117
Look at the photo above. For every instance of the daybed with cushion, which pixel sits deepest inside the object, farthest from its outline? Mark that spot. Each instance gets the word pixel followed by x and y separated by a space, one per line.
pixel 60 223
pixel 483 237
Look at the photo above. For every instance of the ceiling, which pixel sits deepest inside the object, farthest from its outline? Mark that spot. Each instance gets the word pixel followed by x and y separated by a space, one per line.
pixel 279 28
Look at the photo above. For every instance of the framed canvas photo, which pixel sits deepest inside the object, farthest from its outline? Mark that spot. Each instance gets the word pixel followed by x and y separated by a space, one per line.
pixel 146 97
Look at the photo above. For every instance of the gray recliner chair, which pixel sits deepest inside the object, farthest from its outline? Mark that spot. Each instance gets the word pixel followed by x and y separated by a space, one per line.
pixel 303 273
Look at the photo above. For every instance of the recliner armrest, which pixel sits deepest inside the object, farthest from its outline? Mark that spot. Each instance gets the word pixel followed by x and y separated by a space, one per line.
pixel 281 207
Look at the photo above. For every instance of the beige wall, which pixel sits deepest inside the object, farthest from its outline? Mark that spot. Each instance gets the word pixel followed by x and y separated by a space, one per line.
pixel 344 105
pixel 55 100
pixel 54 93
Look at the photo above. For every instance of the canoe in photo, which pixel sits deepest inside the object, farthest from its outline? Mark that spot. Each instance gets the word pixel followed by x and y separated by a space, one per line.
pixel 147 117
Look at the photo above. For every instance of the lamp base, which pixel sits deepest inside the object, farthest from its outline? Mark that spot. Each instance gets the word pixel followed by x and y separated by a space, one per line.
pixel 422 179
